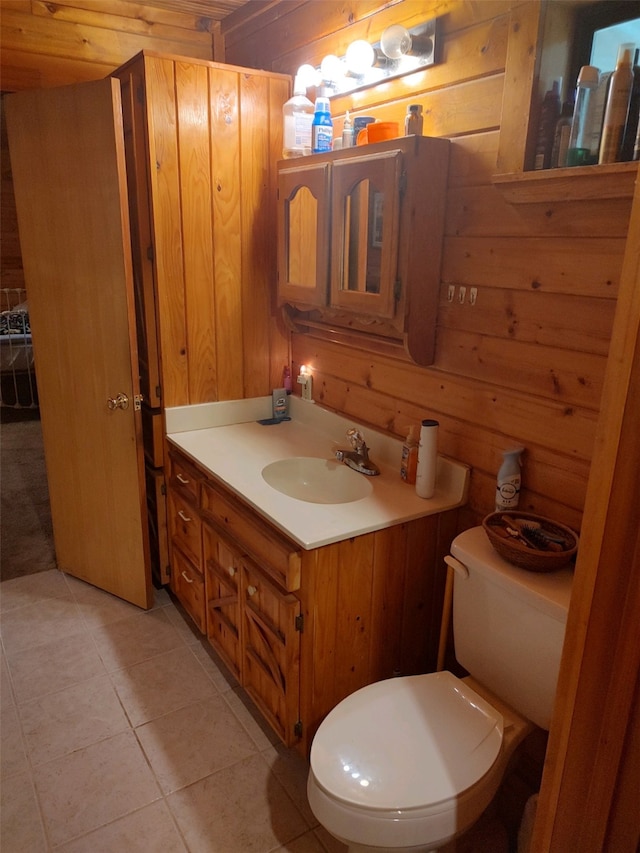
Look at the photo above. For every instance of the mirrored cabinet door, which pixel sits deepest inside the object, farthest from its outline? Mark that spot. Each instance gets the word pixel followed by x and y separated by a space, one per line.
pixel 303 233
pixel 364 233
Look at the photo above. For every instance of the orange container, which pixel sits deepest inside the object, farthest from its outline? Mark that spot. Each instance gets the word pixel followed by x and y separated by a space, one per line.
pixel 377 131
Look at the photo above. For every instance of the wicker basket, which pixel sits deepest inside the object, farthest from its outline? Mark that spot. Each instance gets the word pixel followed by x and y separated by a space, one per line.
pixel 520 554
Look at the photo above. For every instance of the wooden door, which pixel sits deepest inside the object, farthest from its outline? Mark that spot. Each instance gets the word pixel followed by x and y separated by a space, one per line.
pixel 67 156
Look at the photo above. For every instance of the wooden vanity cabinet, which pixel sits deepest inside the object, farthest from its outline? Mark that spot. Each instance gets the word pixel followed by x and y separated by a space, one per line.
pixel 382 207
pixel 301 629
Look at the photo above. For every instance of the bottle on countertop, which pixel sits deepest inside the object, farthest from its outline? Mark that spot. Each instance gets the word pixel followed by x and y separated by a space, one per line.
pixel 549 115
pixel 509 480
pixel 633 115
pixel 617 108
pixel 322 127
pixel 297 115
pixel 561 137
pixel 347 131
pixel 409 461
pixel 584 138
pixel 413 120
pixel 427 459
pixel 286 379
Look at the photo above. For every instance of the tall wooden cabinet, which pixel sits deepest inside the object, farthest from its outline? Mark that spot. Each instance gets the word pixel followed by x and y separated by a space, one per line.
pixel 201 142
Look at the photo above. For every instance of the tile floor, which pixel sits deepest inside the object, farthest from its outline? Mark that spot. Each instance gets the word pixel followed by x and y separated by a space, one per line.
pixel 119 733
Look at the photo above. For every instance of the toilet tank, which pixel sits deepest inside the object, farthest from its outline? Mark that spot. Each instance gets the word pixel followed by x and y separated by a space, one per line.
pixel 508 625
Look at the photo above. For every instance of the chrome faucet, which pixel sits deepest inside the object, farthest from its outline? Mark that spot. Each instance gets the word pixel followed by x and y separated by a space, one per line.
pixel 358 458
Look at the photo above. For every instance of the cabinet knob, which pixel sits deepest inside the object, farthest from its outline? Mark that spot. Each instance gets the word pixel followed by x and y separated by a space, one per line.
pixel 183 516
pixel 182 479
pixel 232 570
pixel 252 590
pixel 186 577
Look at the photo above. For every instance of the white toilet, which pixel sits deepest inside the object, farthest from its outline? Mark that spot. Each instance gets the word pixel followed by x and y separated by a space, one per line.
pixel 410 763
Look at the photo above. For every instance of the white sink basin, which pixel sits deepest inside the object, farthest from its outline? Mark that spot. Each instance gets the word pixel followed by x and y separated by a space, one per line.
pixel 319 481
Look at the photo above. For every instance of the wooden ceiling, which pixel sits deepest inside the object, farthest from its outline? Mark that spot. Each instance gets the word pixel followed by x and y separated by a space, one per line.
pixel 216 10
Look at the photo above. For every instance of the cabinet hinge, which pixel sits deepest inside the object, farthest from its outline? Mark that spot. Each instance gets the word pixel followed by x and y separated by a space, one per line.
pixel 159 392
pixel 150 253
pixel 299 623
pixel 297 728
pixel 397 289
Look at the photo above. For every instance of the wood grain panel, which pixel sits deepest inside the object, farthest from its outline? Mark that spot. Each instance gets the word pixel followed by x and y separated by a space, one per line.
pixel 33 34
pixel 227 224
pixel 168 229
pixel 535 316
pixel 575 378
pixel 584 266
pixel 480 211
pixel 256 246
pixel 135 18
pixel 197 229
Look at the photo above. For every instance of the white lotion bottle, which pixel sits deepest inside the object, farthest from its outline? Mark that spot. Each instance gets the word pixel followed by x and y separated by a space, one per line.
pixel 509 480
pixel 427 459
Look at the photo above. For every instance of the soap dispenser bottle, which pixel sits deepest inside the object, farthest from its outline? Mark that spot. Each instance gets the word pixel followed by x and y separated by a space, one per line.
pixel 409 461
pixel 509 480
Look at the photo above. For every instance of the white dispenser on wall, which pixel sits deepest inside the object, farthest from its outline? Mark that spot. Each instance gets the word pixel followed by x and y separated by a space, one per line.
pixel 509 480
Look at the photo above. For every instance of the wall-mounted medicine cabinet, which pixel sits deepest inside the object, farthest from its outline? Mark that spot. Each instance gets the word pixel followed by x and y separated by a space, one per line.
pixel 360 240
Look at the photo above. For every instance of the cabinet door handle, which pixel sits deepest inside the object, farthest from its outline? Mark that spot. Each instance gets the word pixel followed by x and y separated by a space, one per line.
pixel 186 577
pixel 232 570
pixel 183 516
pixel 182 479
pixel 252 590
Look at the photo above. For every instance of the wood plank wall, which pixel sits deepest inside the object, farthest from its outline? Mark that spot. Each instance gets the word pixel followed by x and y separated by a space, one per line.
pixel 525 364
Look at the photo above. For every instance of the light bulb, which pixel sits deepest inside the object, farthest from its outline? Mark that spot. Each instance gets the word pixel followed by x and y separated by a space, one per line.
pixel 308 76
pixel 395 41
pixel 360 57
pixel 331 69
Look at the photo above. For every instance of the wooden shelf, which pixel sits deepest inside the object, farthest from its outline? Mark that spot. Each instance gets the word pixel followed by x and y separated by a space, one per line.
pixel 579 183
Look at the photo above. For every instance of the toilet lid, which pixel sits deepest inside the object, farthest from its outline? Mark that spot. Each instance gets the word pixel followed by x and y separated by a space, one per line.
pixel 406 742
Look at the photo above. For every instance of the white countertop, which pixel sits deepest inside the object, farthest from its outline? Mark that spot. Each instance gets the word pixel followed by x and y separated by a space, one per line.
pixel 226 440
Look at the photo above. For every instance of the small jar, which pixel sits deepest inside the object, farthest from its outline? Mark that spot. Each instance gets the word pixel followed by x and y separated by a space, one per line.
pixel 413 120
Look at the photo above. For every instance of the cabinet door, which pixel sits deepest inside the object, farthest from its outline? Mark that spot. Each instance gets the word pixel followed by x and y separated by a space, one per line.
pixel 222 572
pixel 365 209
pixel 303 234
pixel 271 665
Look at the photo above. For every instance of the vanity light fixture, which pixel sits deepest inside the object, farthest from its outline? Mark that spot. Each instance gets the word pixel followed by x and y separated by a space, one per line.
pixel 399 51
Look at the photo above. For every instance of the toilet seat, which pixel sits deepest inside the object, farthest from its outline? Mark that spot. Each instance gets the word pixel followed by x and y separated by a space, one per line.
pixel 406 744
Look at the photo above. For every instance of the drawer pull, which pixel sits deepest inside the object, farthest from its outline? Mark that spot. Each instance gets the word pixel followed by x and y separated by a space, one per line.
pixel 252 590
pixel 182 479
pixel 186 577
pixel 232 570
pixel 183 516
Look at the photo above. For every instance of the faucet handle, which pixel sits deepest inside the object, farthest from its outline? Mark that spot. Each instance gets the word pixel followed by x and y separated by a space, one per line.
pixel 356 439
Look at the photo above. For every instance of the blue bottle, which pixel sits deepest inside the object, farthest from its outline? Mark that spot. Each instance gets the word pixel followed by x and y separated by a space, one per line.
pixel 321 127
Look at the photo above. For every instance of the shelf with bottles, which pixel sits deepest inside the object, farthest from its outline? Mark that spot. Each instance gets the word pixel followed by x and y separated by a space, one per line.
pixel 575 183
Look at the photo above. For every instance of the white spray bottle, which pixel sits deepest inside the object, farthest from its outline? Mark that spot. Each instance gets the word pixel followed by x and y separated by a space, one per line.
pixel 509 479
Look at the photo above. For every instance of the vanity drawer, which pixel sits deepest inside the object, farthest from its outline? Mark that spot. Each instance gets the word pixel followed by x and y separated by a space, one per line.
pixel 185 527
pixel 188 584
pixel 185 478
pixel 278 556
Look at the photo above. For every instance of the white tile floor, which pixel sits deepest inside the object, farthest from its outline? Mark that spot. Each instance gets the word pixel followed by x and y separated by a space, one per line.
pixel 121 734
